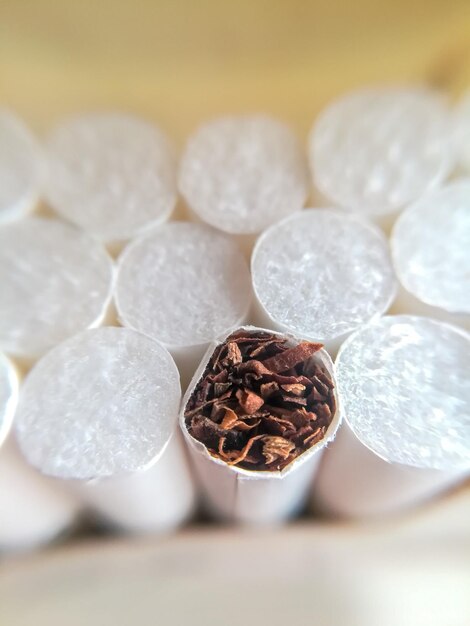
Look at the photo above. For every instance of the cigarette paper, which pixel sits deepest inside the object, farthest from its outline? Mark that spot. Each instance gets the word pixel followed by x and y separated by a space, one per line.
pixel 111 174
pixel 461 135
pixel 375 150
pixel 241 174
pixel 21 168
pixel 104 405
pixel 321 274
pixel 403 383
pixel 56 281
pixel 184 284
pixel 259 410
pixel 31 511
pixel 431 252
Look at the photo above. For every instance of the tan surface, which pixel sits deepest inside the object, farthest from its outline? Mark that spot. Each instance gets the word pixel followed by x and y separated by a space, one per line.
pixel 179 62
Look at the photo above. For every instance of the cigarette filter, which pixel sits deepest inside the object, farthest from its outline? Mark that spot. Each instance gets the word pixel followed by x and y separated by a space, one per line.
pixel 321 274
pixel 241 174
pixel 104 405
pixel 431 253
pixel 461 135
pixel 56 281
pixel 183 284
pixel 111 174
pixel 404 386
pixel 21 168
pixel 375 150
pixel 256 416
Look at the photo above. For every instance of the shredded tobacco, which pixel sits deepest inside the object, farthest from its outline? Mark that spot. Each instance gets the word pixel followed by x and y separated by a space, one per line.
pixel 260 402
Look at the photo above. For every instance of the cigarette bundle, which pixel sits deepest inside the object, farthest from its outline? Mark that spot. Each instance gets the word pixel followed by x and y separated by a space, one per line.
pixel 241 174
pixel 461 136
pixel 56 281
pixel 184 284
pixel 403 382
pixel 259 410
pixel 104 405
pixel 111 174
pixel 31 511
pixel 21 168
pixel 375 150
pixel 322 273
pixel 430 249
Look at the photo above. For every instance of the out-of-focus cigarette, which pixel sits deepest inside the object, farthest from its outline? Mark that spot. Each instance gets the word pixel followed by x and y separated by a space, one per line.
pixel 321 274
pixel 375 150
pixel 112 174
pixel 431 252
pixel 103 405
pixel 32 511
pixel 184 284
pixel 259 410
pixel 242 174
pixel 404 387
pixel 21 168
pixel 56 281
pixel 461 134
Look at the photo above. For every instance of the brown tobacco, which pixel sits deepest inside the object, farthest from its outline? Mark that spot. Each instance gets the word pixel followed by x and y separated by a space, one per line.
pixel 261 402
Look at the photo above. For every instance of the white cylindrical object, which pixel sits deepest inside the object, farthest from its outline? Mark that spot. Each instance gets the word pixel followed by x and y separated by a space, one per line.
pixel 56 281
pixel 111 174
pixel 405 392
pixel 241 174
pixel 461 134
pixel 9 386
pixel 431 252
pixel 21 168
pixel 248 496
pixel 104 405
pixel 321 274
pixel 375 150
pixel 184 284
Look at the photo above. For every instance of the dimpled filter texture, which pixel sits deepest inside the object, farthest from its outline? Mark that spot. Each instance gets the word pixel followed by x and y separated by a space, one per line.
pixel 375 150
pixel 55 281
pixel 431 248
pixel 241 174
pixel 8 395
pixel 404 385
pixel 20 167
pixel 184 284
pixel 103 403
pixel 111 174
pixel 322 273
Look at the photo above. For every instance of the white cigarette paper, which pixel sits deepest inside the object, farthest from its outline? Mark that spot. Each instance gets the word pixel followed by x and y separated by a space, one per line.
pixel 461 134
pixel 431 253
pixel 56 281
pixel 241 174
pixel 104 405
pixel 32 512
pixel 321 274
pixel 256 497
pixel 405 392
pixel 184 284
pixel 21 168
pixel 375 150
pixel 111 174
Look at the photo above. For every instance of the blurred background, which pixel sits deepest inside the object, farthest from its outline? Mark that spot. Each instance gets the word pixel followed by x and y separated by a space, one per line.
pixel 178 63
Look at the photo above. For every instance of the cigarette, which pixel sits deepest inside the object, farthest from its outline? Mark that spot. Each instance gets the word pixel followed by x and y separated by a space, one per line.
pixel 103 406
pixel 403 382
pixel 184 285
pixel 32 512
pixel 242 174
pixel 21 168
pixel 112 174
pixel 56 281
pixel 430 248
pixel 321 274
pixel 461 134
pixel 375 150
pixel 259 410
